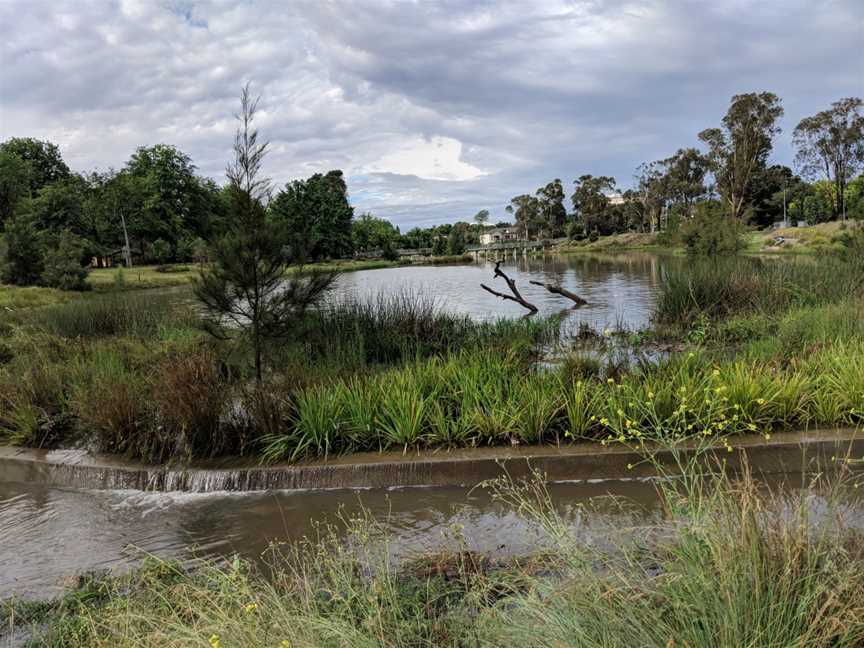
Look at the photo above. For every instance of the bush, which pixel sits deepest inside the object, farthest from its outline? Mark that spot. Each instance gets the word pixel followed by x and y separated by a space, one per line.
pixel 21 253
pixel 711 233
pixel 63 267
pixel 160 251
pixel 117 313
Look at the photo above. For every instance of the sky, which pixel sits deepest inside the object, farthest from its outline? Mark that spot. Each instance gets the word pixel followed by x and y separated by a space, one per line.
pixel 434 110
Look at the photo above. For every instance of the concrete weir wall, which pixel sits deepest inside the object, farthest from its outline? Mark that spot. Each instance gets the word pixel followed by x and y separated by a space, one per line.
pixel 784 453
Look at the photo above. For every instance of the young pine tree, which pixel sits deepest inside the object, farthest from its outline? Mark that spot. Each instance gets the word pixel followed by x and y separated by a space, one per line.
pixel 246 289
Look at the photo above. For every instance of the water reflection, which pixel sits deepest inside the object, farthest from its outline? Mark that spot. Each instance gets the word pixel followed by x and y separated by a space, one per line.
pixel 620 288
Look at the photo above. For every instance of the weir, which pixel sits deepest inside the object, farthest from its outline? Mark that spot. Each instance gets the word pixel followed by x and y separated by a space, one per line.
pixel 806 451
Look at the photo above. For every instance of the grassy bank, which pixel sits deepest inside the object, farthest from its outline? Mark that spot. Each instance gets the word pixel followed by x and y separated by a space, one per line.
pixel 730 564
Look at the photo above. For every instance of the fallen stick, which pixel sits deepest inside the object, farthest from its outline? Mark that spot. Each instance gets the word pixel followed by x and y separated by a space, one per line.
pixel 558 290
pixel 516 296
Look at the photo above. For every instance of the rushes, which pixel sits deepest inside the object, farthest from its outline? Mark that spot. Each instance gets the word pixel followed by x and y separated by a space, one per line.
pixel 474 399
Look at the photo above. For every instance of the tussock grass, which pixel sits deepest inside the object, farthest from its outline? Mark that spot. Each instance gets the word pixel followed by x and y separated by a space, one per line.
pixel 477 398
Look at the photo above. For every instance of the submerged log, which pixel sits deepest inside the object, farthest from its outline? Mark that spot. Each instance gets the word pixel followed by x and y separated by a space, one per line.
pixel 511 284
pixel 558 290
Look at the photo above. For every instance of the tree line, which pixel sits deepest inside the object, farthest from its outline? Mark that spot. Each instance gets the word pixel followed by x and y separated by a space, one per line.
pixel 730 178
pixel 158 209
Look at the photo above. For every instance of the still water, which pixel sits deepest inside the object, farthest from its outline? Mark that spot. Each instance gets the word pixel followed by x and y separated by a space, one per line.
pixel 619 288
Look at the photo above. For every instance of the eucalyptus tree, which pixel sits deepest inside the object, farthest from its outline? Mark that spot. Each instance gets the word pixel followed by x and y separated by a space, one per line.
pixel 590 202
pixel 830 144
pixel 481 217
pixel 552 213
pixel 740 147
pixel 526 211
pixel 248 287
pixel 685 173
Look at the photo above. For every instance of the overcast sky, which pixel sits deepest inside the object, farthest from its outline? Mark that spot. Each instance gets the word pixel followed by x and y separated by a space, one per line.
pixel 433 110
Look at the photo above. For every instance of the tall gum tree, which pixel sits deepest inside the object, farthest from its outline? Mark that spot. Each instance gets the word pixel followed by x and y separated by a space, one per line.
pixel 740 147
pixel 830 144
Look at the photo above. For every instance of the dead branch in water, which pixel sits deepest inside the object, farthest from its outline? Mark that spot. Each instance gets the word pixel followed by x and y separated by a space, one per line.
pixel 516 296
pixel 558 290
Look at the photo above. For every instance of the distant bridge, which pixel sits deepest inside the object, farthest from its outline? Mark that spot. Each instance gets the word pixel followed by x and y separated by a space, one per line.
pixel 493 250
pixel 514 248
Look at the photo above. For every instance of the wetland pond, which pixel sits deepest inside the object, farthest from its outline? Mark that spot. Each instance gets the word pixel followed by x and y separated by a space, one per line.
pixel 48 533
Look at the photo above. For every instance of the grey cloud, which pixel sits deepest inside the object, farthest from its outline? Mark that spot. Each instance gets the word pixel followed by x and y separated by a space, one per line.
pixel 532 91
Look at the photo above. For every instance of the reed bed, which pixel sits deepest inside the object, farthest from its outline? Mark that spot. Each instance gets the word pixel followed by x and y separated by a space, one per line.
pixel 722 287
pixel 475 399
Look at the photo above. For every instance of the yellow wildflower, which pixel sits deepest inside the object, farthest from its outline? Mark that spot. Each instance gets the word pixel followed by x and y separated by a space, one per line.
pixel 214 641
pixel 761 401
pixel 250 607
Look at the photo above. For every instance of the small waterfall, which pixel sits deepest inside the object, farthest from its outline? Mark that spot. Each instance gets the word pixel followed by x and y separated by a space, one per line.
pixel 807 451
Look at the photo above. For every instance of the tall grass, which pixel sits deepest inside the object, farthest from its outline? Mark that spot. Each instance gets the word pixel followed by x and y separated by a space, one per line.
pixel 138 314
pixel 731 565
pixel 726 286
pixel 477 398
pixel 394 327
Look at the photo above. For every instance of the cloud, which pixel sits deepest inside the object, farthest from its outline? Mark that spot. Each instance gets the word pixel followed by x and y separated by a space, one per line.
pixel 433 109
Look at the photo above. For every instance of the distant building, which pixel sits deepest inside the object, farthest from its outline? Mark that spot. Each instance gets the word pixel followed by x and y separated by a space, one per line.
pixel 616 199
pixel 499 235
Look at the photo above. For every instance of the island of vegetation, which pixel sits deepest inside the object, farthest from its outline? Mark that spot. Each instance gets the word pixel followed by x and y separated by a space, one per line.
pixel 251 357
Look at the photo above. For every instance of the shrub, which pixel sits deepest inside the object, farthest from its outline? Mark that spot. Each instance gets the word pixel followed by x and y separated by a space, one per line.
pixel 160 251
pixel 62 266
pixel 21 253
pixel 711 233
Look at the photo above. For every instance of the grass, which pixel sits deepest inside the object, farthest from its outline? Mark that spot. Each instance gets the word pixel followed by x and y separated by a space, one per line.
pixel 731 564
pixel 723 287
pixel 821 238
pixel 14 298
pixel 626 241
pixel 142 277
pixel 477 398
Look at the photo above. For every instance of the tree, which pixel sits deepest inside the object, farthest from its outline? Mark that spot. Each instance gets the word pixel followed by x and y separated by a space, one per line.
pixel 439 246
pixel 60 206
pixel 684 178
pixel 173 201
pixel 21 257
pixel 15 179
pixel 481 217
pixel 247 287
pixel 831 144
pixel 64 263
pixel 46 163
pixel 371 233
pixel 526 210
pixel 741 146
pixel 651 180
pixel 766 187
pixel 552 215
pixel 591 205
pixel 456 241
pixel 315 216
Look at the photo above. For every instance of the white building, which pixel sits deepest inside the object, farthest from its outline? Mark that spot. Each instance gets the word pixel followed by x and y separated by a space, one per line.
pixel 499 235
